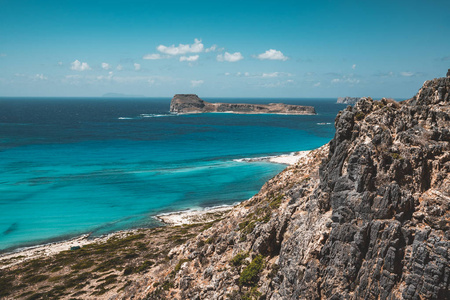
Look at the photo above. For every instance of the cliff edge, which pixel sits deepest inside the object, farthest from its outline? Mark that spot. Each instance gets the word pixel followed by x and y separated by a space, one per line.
pixel 365 217
pixel 191 103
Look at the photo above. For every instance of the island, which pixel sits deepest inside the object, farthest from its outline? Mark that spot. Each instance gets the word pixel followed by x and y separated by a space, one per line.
pixel 347 100
pixel 192 104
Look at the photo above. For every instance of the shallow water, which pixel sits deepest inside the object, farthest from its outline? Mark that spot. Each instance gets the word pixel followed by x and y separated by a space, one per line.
pixel 71 166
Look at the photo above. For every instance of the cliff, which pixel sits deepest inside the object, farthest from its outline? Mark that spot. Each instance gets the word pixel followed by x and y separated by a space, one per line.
pixel 347 100
pixel 364 217
pixel 191 103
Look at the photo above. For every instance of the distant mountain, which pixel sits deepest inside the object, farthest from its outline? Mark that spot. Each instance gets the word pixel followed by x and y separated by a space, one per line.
pixel 119 95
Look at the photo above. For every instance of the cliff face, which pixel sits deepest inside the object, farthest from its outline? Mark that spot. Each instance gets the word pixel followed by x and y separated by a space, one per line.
pixel 191 103
pixel 365 217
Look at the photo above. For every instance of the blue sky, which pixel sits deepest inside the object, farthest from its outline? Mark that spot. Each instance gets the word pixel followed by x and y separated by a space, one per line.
pixel 222 48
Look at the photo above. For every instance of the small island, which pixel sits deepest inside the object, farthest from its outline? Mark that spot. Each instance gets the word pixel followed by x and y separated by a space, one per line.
pixel 347 100
pixel 192 104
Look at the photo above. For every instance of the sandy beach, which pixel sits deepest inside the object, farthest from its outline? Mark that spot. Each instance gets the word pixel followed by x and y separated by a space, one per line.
pixel 286 159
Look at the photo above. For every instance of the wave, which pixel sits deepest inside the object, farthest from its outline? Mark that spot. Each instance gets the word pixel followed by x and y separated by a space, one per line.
pixel 324 123
pixel 156 115
pixel 141 116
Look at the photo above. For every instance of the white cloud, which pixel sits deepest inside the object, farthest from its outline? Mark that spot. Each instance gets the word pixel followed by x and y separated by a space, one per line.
pixel 316 84
pixel 354 66
pixel 106 66
pixel 211 49
pixel 227 74
pixel 196 47
pixel 137 67
pixel 407 74
pixel 230 57
pixel 153 56
pixel 79 66
pixel 261 75
pixel 271 75
pixel 60 63
pixel 2 54
pixel 189 58
pixel 272 54
pixel 195 83
pixel 119 67
pixel 345 79
pixel 40 77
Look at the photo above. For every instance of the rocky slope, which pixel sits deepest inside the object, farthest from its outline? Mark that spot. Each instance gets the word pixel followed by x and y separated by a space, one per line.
pixel 191 103
pixel 365 217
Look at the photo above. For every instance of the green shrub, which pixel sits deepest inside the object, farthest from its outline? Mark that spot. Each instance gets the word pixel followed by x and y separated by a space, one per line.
pixel 238 259
pixel 83 265
pixel 178 266
pixel 145 265
pixel 249 275
pixel 167 285
pixel 276 201
pixel 359 116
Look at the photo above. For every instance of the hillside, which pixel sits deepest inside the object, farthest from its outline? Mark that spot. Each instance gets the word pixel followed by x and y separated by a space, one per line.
pixel 365 217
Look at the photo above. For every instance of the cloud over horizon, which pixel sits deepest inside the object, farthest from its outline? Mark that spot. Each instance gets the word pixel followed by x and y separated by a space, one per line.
pixel 230 57
pixel 196 47
pixel 189 58
pixel 272 54
pixel 79 66
pixel 195 83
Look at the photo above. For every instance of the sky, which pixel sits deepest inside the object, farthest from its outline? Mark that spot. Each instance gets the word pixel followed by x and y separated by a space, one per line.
pixel 284 49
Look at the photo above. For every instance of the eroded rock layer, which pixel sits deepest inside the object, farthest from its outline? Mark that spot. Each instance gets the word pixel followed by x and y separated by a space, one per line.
pixel 365 217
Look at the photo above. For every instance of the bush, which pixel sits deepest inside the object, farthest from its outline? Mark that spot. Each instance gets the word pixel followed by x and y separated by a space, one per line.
pixel 181 262
pixel 359 116
pixel 249 275
pixel 238 259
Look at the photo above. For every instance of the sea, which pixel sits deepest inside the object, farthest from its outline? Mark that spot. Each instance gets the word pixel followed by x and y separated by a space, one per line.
pixel 73 166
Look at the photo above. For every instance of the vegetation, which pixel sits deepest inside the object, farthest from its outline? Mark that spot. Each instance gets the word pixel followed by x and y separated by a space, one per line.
pixel 238 259
pixel 180 263
pixel 250 274
pixel 96 268
pixel 359 116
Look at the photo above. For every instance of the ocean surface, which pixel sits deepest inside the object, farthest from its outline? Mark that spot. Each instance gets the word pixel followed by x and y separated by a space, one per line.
pixel 71 166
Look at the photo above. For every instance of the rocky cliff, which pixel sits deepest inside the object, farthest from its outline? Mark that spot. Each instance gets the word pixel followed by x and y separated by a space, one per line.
pixel 191 103
pixel 365 217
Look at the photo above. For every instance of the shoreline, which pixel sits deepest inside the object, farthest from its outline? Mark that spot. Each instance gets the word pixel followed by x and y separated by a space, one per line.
pixel 173 219
pixel 285 159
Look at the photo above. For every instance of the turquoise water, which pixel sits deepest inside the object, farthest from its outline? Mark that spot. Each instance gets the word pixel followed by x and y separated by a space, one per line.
pixel 74 166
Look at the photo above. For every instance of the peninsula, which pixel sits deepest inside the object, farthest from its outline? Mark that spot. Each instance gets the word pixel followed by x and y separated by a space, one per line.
pixel 192 104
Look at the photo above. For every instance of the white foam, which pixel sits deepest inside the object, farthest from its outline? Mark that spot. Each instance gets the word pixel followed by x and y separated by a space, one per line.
pixel 286 159
pixel 156 115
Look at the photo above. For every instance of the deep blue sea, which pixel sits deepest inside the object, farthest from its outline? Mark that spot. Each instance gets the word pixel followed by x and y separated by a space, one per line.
pixel 96 165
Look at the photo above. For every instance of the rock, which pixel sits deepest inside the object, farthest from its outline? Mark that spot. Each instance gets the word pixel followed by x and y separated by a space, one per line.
pixel 365 217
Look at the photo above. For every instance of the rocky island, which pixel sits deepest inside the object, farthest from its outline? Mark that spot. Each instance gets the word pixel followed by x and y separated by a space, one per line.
pixel 366 216
pixel 348 100
pixel 191 103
